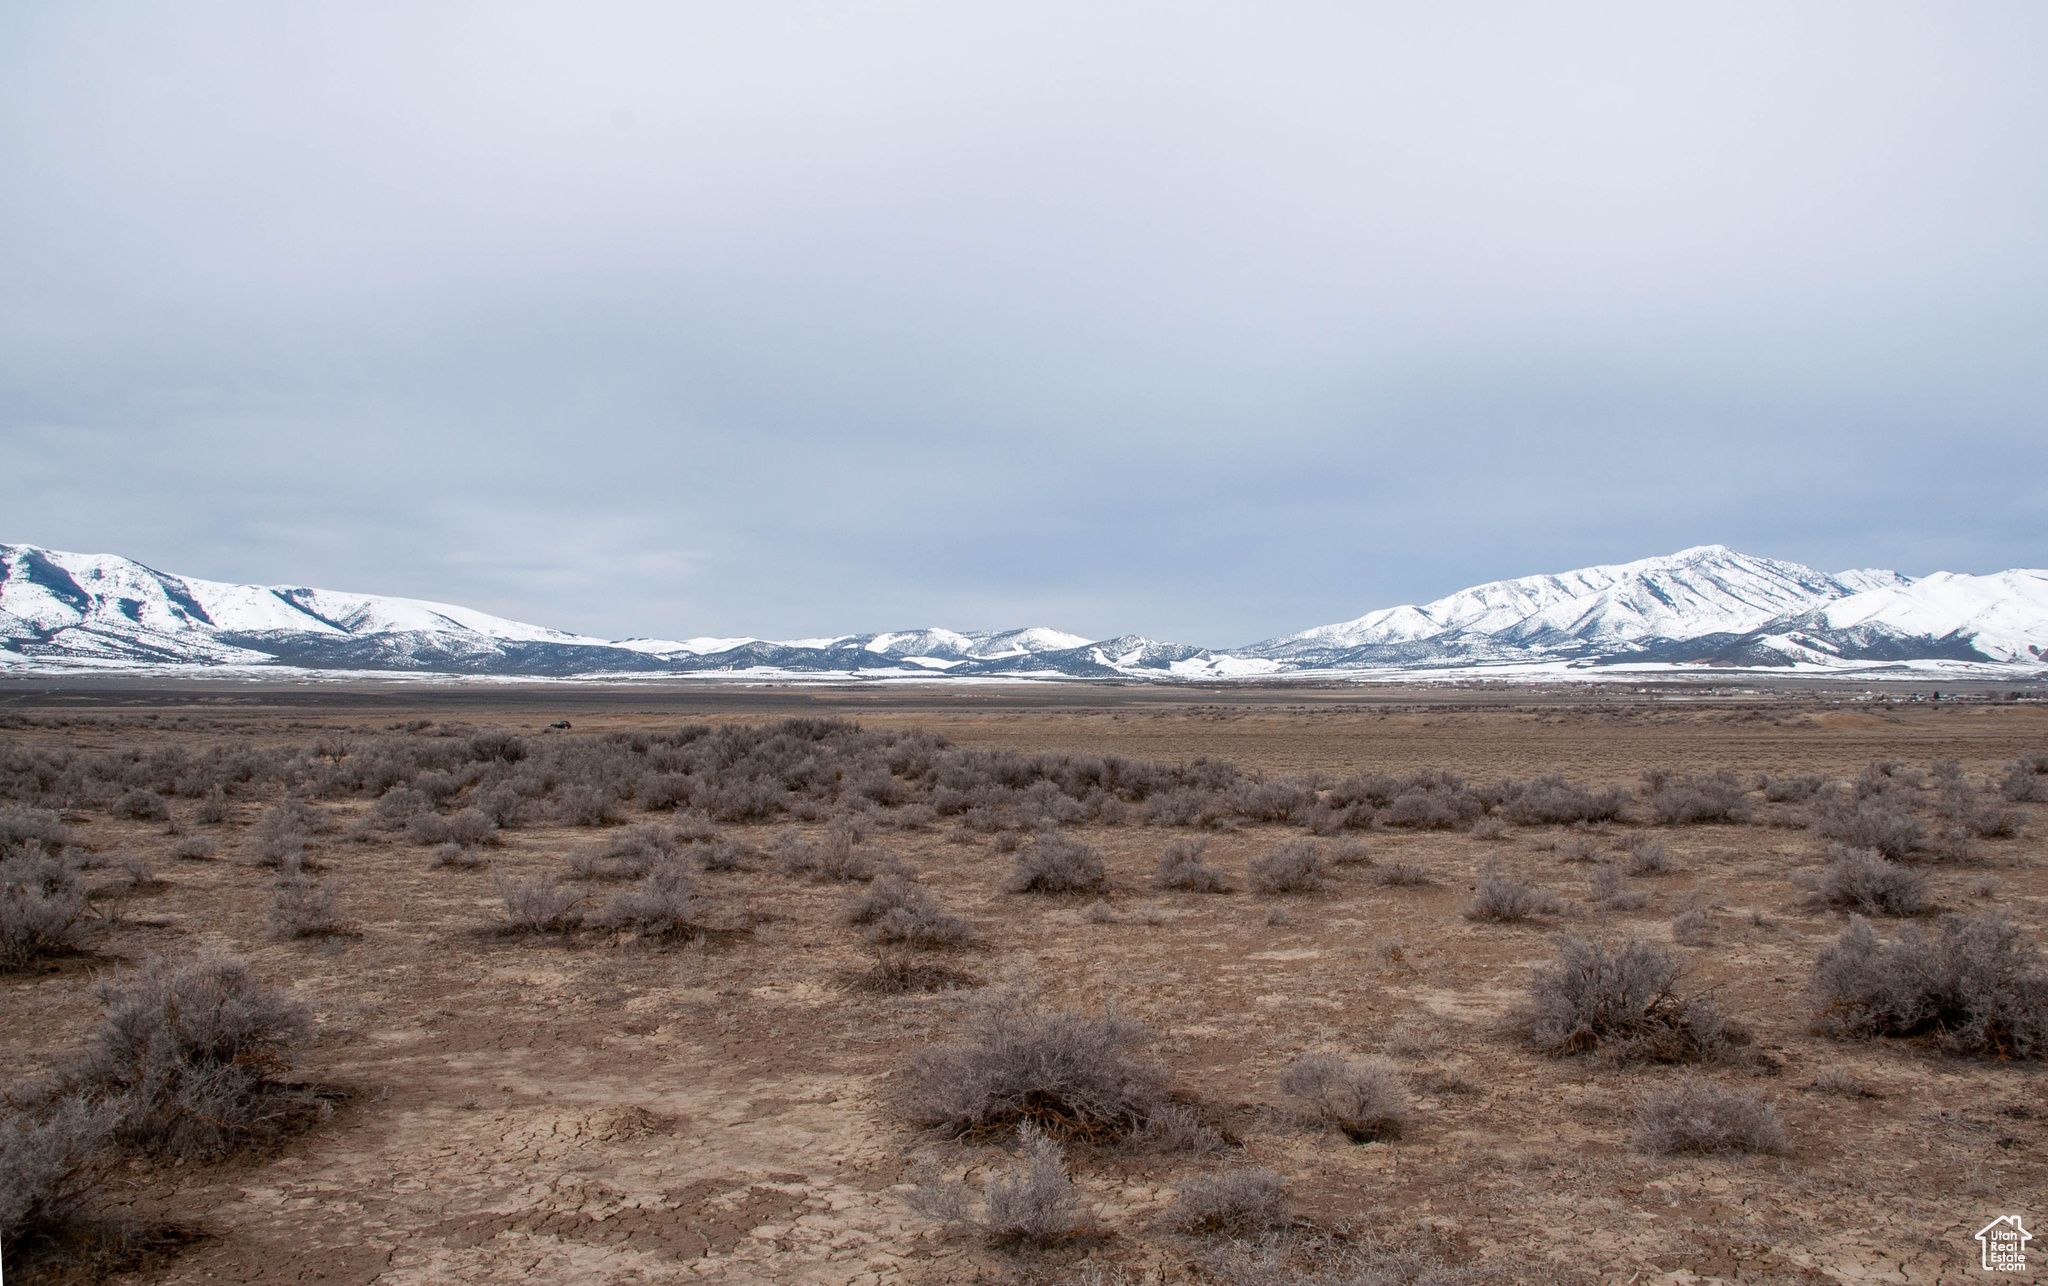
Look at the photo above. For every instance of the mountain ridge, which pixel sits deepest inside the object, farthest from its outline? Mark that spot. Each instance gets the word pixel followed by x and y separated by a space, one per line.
pixel 1704 607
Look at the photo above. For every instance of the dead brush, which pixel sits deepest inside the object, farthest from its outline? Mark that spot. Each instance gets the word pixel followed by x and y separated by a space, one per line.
pixel 1503 900
pixel 897 972
pixel 304 908
pixel 1971 986
pixel 1621 1002
pixel 1401 875
pixel 896 910
pixel 1611 891
pixel 1646 855
pixel 837 858
pixel 1863 880
pixel 1293 866
pixel 1036 1205
pixel 539 905
pixel 43 906
pixel 1070 1074
pixel 1054 863
pixel 1365 1101
pixel 1243 1202
pixel 628 853
pixel 187 1057
pixel 1699 1116
pixel 1181 868
pixel 55 1152
pixel 457 857
pixel 665 906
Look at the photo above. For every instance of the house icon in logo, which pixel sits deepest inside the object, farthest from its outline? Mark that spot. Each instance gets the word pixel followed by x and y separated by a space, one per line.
pixel 2005 1245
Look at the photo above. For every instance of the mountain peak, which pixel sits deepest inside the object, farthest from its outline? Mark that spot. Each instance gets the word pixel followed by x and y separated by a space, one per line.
pixel 1708 604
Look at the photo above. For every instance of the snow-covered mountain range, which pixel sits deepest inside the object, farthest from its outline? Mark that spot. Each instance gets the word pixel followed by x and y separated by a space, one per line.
pixel 1704 607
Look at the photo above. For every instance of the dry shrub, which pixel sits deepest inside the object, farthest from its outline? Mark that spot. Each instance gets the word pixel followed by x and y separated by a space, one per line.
pixel 1611 891
pixel 1293 866
pixel 2026 779
pixel 1791 790
pixel 54 1153
pixel 628 853
pixel 1236 1203
pixel 194 848
pixel 1869 823
pixel 1489 828
pixel 31 828
pixel 213 809
pixel 1073 1075
pixel 897 972
pixel 895 909
pixel 1351 852
pixel 188 1055
pixel 1364 1100
pixel 304 908
pixel 837 858
pixel 666 906
pixel 1053 863
pixel 1401 875
pixel 142 806
pixel 1508 901
pixel 470 826
pixel 1690 928
pixel 1698 797
pixel 1622 1002
pixel 1099 912
pixel 1841 1083
pixel 1036 1204
pixel 1862 880
pixel 1181 867
pixel 1970 987
pixel 1577 848
pixel 539 905
pixel 1702 1117
pixel 1553 799
pixel 1647 855
pixel 42 905
pixel 453 855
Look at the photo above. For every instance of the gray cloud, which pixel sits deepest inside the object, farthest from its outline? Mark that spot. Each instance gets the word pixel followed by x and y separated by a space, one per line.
pixel 1209 322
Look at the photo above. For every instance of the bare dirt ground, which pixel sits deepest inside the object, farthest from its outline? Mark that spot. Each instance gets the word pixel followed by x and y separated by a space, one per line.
pixel 542 1110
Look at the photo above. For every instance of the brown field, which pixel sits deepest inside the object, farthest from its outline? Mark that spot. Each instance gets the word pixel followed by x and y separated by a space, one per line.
pixel 585 1107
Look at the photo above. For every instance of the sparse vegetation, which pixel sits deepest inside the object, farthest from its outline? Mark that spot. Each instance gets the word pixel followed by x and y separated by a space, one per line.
pixel 1293 866
pixel 1181 867
pixel 1971 986
pixel 539 905
pixel 304 908
pixel 894 909
pixel 188 1056
pixel 1072 1075
pixel 1700 1116
pixel 1862 880
pixel 1508 901
pixel 1235 1203
pixel 1622 1002
pixel 1365 1100
pixel 1054 863
pixel 1036 1204
pixel 1678 800
pixel 42 902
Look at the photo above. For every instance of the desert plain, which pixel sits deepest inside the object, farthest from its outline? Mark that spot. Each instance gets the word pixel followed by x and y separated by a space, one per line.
pixel 594 1104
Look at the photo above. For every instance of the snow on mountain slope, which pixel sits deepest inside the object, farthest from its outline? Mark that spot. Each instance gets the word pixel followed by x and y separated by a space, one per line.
pixel 2004 615
pixel 1705 606
pixel 1710 589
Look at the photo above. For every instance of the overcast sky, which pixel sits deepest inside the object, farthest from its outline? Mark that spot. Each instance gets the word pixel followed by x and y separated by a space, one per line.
pixel 1204 322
